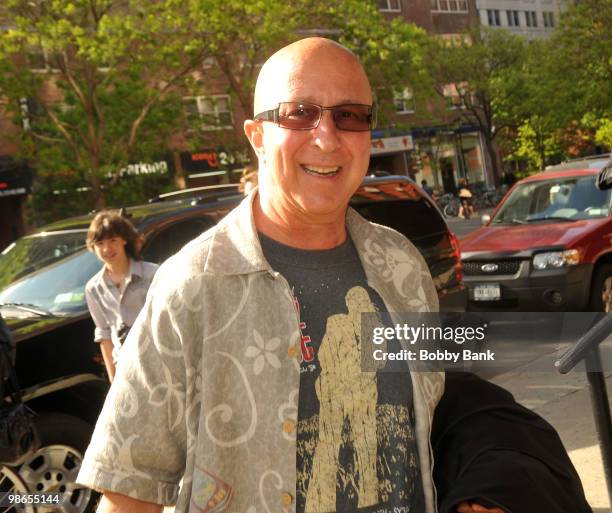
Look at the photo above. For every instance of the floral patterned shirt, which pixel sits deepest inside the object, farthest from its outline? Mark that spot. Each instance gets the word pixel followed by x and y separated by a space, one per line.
pixel 207 385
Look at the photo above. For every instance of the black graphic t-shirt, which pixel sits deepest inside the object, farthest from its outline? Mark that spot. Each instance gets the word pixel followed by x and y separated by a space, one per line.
pixel 356 447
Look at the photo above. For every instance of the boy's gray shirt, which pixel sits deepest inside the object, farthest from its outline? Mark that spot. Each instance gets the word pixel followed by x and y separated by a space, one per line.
pixel 209 375
pixel 111 309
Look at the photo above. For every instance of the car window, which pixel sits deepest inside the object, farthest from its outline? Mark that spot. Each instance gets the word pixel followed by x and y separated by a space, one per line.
pixel 34 252
pixel 172 238
pixel 57 288
pixel 415 218
pixel 570 198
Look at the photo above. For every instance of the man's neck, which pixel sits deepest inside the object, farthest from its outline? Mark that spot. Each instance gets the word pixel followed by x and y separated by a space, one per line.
pixel 296 233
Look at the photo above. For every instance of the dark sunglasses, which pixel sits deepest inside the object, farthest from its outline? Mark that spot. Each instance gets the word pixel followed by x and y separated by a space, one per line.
pixel 352 117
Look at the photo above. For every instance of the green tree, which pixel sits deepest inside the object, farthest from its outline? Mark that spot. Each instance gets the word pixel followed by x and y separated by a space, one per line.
pixel 121 67
pixel 103 93
pixel 242 35
pixel 487 81
pixel 580 56
pixel 567 104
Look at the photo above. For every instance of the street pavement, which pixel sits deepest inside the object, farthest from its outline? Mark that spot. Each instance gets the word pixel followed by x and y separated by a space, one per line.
pixel 563 400
pixel 461 227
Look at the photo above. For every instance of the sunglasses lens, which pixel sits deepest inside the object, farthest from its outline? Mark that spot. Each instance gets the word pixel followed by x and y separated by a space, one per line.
pixel 304 116
pixel 297 115
pixel 355 118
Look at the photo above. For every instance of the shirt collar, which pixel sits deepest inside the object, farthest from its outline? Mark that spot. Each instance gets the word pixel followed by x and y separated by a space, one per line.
pixel 235 246
pixel 135 270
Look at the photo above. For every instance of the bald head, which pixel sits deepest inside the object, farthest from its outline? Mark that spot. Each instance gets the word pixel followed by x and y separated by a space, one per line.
pixel 308 175
pixel 283 72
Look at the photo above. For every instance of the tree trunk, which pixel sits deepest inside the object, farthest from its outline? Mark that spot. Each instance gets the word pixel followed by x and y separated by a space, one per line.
pixel 179 174
pixel 492 154
pixel 98 193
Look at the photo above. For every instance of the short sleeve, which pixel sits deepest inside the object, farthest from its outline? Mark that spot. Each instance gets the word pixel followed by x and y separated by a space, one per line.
pixel 138 447
pixel 102 330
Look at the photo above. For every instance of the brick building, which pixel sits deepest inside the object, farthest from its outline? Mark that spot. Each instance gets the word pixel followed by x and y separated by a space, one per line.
pixel 438 146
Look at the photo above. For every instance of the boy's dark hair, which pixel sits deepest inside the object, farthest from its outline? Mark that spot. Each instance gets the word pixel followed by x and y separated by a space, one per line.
pixel 111 223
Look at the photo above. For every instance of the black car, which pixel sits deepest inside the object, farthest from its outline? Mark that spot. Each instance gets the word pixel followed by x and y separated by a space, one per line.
pixel 42 297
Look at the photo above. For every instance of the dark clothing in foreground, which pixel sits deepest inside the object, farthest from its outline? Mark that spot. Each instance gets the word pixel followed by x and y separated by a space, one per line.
pixel 491 450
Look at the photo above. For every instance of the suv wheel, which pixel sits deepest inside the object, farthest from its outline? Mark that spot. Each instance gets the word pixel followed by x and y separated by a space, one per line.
pixel 55 465
pixel 601 289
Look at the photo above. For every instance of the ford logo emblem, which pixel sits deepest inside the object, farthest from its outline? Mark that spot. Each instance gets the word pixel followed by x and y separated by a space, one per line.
pixel 489 268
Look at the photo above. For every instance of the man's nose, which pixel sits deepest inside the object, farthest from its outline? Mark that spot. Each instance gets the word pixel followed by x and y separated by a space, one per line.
pixel 326 135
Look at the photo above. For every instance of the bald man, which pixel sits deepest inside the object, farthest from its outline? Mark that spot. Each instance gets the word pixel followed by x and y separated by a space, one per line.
pixel 221 402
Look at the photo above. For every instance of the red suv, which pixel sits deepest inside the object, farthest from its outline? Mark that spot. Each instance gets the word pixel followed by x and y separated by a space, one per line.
pixel 547 246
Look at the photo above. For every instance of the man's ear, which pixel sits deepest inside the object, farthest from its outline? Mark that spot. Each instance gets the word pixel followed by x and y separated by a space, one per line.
pixel 254 133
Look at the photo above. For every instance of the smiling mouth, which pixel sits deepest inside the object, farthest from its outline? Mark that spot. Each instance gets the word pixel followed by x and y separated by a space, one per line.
pixel 321 171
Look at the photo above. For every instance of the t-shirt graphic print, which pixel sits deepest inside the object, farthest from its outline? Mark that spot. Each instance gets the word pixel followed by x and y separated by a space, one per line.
pixel 356 448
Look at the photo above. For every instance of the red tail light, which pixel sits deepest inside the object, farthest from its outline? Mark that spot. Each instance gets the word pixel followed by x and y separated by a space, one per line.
pixel 457 255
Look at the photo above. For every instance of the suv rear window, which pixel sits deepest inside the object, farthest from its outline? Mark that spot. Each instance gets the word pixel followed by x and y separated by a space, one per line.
pixel 416 219
pixel 171 239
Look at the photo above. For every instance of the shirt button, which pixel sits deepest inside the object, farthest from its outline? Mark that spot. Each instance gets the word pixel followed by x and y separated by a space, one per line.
pixel 289 427
pixel 292 352
pixel 286 499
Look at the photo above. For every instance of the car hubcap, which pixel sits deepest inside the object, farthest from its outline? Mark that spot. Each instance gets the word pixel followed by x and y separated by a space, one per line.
pixel 54 469
pixel 606 294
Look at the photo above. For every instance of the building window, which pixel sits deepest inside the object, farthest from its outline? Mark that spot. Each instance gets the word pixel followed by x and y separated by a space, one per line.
pixel 531 18
pixel 513 18
pixel 449 5
pixel 404 101
pixel 452 96
pixel 493 17
pixel 456 39
pixel 41 60
pixel 212 112
pixel 389 5
pixel 549 19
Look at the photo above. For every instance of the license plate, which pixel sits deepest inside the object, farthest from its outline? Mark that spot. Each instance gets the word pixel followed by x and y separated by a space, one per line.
pixel 488 292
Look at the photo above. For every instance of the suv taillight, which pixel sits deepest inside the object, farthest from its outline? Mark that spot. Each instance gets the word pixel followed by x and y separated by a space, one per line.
pixel 457 254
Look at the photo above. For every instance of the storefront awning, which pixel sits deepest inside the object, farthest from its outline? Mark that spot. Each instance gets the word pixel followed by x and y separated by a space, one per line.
pixel 15 178
pixel 386 145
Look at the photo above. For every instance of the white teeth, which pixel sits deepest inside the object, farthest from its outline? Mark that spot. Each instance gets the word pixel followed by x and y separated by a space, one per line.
pixel 321 170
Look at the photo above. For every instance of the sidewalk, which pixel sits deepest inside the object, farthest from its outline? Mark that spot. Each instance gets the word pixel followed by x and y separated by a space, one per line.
pixel 564 401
